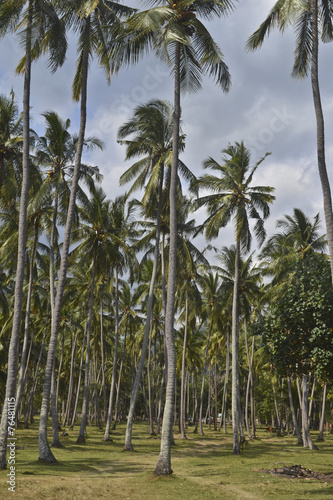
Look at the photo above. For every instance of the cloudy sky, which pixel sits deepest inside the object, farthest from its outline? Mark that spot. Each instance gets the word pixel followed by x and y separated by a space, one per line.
pixel 265 107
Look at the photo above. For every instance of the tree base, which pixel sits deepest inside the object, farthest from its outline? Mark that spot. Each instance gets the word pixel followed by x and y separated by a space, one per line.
pixel 48 460
pixel 162 470
pixel 128 447
pixel 81 439
pixel 107 439
pixel 57 445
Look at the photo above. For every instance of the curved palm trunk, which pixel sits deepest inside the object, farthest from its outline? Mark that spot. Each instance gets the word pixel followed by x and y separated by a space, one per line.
pixel 20 383
pixel 235 390
pixel 114 368
pixel 135 388
pixel 15 336
pixel 325 184
pixel 81 436
pixel 45 453
pixel 163 466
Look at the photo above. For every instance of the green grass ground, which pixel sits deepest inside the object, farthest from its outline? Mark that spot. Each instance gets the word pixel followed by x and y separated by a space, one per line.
pixel 204 468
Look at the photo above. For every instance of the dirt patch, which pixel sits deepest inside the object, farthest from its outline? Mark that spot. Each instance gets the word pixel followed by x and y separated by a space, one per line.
pixel 299 472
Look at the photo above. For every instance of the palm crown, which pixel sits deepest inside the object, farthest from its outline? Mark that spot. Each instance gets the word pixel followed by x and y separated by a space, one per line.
pixel 234 197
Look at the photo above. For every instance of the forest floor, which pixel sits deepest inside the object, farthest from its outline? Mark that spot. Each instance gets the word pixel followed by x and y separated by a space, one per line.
pixel 204 468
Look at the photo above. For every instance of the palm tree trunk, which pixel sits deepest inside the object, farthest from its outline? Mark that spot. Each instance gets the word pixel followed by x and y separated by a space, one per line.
pixel 45 453
pixel 293 413
pixel 163 466
pixel 54 413
pixel 150 404
pixel 203 384
pixel 235 389
pixel 81 436
pixel 307 440
pixel 114 368
pixel 322 415
pixel 226 383
pixel 71 382
pixel 103 364
pixel 13 351
pixel 34 384
pixel 19 390
pixel 79 379
pixel 119 381
pixel 249 382
pixel 325 184
pixel 182 387
pixel 135 387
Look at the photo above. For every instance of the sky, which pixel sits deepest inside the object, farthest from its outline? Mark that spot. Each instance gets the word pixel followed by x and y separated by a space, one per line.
pixel 265 107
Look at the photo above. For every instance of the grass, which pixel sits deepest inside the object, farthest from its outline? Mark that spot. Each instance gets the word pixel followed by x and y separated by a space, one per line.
pixel 204 468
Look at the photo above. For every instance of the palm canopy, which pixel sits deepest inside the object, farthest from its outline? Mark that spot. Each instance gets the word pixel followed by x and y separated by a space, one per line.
pixel 150 131
pixel 233 196
pixel 47 30
pixel 299 14
pixel 10 143
pixel 91 19
pixel 168 24
pixel 299 236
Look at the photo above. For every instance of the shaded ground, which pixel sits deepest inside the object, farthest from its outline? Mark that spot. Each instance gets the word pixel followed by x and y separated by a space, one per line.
pixel 204 468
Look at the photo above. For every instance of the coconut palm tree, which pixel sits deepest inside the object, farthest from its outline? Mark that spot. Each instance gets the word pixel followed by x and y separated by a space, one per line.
pixel 235 199
pixel 311 19
pixel 95 234
pixel 88 19
pixel 41 31
pixel 299 235
pixel 151 129
pixel 174 32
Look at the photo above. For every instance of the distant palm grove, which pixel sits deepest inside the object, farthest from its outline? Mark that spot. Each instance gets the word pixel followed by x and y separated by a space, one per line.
pixel 110 309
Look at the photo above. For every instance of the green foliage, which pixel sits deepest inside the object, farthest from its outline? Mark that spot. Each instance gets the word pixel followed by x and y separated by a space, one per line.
pixel 298 327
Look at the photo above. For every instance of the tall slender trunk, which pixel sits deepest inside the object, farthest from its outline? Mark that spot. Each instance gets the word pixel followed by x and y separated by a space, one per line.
pixel 253 416
pixel 182 386
pixel 135 387
pixel 79 379
pixel 45 453
pixel 235 389
pixel 13 351
pixel 71 382
pixel 226 383
pixel 81 437
pixel 163 466
pixel 34 384
pixel 322 415
pixel 115 359
pixel 249 382
pixel 203 384
pixel 19 390
pixel 307 439
pixel 325 184
pixel 293 414
pixel 119 381
pixel 150 403
pixel 103 364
